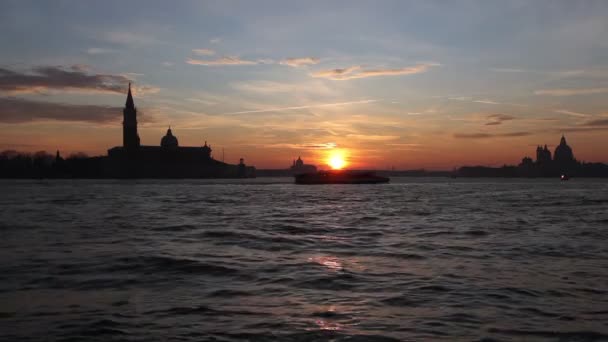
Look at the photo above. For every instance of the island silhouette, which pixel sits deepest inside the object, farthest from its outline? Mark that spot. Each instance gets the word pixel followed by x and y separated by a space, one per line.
pixel 131 160
pixel 561 164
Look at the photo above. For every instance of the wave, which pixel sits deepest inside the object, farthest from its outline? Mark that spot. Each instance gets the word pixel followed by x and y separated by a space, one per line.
pixel 584 335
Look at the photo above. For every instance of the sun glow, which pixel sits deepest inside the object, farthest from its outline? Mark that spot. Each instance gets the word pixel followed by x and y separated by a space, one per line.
pixel 336 159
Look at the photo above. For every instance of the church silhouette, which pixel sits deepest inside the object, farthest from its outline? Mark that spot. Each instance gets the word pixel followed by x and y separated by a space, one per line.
pixel 168 160
pixel 562 162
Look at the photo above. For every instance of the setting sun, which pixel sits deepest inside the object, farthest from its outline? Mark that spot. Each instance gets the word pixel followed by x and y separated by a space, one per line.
pixel 336 159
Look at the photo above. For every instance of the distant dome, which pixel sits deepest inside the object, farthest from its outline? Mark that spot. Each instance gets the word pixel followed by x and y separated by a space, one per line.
pixel 299 162
pixel 169 140
pixel 563 152
pixel 206 147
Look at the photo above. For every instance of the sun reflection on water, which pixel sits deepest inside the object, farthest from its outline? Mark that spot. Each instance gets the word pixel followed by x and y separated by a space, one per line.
pixel 335 264
pixel 326 325
pixel 332 263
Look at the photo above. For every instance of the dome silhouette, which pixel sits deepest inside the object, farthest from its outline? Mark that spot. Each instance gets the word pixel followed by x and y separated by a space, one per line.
pixel 169 140
pixel 563 152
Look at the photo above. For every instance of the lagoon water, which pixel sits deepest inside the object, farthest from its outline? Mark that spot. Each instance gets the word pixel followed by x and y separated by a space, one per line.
pixel 267 260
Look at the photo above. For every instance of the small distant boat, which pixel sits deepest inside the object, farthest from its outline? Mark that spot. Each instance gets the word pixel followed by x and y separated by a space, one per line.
pixel 340 177
pixel 565 177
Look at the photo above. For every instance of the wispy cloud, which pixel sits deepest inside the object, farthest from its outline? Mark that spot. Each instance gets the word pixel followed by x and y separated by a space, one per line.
pixel 315 87
pixel 301 107
pixel 557 73
pixel 203 101
pixel 140 90
pixel 498 119
pixel 590 125
pixel 412 145
pixel 489 135
pixel 430 110
pixel 212 99
pixel 471 99
pixel 204 52
pixel 460 98
pixel 487 102
pixel 62 78
pixel 99 51
pixel 81 67
pixel 335 74
pixel 358 71
pixel 304 146
pixel 594 72
pixel 264 87
pixel 266 61
pixel 372 137
pixel 581 129
pixel 571 113
pixel 483 101
pixel 300 61
pixel 571 91
pixel 598 122
pixel 561 73
pixel 225 60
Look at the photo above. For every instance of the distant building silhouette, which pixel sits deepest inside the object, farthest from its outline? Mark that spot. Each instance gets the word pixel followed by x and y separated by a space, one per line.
pixel 167 160
pixel 298 167
pixel 543 155
pixel 563 161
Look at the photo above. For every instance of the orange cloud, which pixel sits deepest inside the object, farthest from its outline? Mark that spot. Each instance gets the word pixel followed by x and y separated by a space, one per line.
pixel 373 137
pixel 357 71
pixel 225 60
pixel 301 61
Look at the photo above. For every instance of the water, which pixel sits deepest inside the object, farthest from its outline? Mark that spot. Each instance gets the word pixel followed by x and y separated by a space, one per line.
pixel 266 260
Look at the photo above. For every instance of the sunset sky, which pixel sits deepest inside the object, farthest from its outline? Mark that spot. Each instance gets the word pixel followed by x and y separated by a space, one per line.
pixel 420 84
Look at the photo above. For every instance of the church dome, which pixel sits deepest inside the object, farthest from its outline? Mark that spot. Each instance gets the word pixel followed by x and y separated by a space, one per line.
pixel 169 140
pixel 563 152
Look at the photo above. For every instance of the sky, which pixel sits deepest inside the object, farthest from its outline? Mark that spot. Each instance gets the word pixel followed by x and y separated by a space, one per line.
pixel 403 84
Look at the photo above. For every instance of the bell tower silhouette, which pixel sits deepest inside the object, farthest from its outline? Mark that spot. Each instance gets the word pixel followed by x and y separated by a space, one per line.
pixel 130 138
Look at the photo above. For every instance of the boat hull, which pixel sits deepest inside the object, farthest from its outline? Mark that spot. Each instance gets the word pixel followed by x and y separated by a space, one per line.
pixel 335 177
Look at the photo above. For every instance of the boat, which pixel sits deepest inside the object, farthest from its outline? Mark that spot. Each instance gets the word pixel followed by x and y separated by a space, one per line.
pixel 340 177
